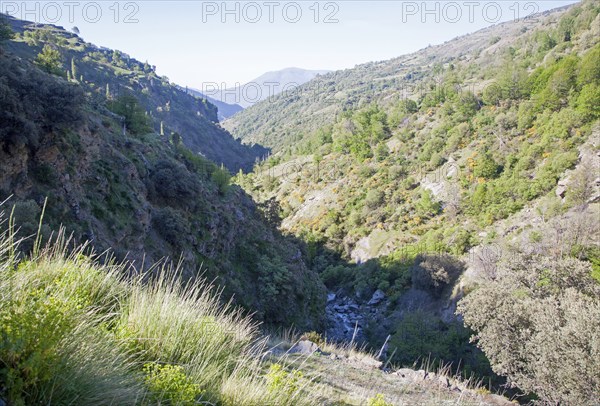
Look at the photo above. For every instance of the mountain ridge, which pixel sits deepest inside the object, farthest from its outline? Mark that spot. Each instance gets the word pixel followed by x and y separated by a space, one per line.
pixel 267 86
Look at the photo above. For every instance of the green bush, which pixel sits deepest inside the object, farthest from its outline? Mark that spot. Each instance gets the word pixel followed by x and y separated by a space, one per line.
pixel 378 400
pixel 420 336
pixel 280 380
pixel 538 323
pixel 432 273
pixel 49 60
pixel 74 331
pixel 128 106
pixel 169 385
pixel 221 177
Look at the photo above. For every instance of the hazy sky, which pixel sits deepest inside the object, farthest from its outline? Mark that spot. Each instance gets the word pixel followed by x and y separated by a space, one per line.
pixel 199 42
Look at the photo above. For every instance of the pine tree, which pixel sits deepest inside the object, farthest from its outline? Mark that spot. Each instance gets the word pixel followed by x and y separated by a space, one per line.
pixel 49 60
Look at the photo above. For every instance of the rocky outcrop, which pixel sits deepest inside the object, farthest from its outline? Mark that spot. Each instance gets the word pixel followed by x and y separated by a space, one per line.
pixel 347 317
pixel 305 347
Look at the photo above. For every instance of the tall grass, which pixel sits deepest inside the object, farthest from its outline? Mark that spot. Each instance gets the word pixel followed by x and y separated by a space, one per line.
pixel 77 331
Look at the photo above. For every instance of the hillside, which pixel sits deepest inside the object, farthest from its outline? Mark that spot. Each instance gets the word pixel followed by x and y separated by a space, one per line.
pixel 142 195
pixel 224 110
pixel 431 181
pixel 294 115
pixel 106 73
pixel 437 211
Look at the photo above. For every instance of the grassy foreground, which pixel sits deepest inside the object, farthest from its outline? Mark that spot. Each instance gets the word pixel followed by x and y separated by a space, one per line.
pixel 80 329
pixel 74 330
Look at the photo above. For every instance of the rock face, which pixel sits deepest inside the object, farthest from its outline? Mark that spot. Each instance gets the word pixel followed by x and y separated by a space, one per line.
pixel 347 317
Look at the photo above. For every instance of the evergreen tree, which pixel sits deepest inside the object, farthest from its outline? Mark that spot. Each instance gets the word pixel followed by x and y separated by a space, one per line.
pixel 135 116
pixel 49 60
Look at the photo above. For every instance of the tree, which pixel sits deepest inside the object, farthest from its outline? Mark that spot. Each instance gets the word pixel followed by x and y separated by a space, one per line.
pixel 221 178
pixel 538 322
pixel 75 30
pixel 589 68
pixel 485 167
pixel 135 116
pixel 49 60
pixel 588 102
pixel 408 106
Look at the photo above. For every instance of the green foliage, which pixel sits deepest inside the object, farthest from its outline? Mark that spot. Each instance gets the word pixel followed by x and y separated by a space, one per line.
pixel 274 279
pixel 169 223
pixel 421 335
pixel 378 400
pixel 362 132
pixel 46 333
pixel 588 102
pixel 49 60
pixel 314 337
pixel 170 385
pixel 524 317
pixel 589 69
pixel 485 167
pixel 278 379
pixel 433 273
pixel 128 106
pixel 426 205
pixel 221 177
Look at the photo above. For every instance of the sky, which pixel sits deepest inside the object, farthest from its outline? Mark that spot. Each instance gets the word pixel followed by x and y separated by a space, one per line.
pixel 202 43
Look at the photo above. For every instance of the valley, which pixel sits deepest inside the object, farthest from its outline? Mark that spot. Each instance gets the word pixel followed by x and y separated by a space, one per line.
pixel 420 230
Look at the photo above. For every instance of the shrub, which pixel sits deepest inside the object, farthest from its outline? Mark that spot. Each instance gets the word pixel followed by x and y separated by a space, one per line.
pixel 51 346
pixel 221 177
pixel 432 273
pixel 314 337
pixel 170 385
pixel 73 331
pixel 280 380
pixel 378 400
pixel 49 60
pixel 588 102
pixel 34 103
pixel 170 225
pixel 128 106
pixel 538 323
pixel 374 198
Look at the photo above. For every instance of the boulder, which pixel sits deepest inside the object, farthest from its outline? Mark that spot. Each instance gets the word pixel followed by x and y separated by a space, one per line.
pixel 561 188
pixel 305 347
pixel 377 297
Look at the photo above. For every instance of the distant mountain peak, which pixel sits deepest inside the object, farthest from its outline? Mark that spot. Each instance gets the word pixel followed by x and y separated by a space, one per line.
pixel 267 85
